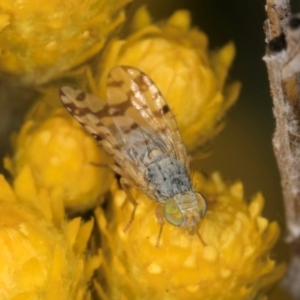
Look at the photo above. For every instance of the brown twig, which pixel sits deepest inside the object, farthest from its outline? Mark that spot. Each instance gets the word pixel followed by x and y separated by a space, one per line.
pixel 283 63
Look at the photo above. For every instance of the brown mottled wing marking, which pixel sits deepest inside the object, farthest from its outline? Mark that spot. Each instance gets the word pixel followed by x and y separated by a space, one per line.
pixel 135 102
pixel 134 123
pixel 93 114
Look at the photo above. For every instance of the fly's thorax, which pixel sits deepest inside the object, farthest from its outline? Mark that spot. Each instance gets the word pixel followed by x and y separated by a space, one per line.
pixel 167 177
pixel 185 210
pixel 143 146
pixel 152 155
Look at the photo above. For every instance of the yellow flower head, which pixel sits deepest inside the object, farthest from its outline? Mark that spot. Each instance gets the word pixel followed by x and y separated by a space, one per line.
pixel 40 259
pixel 63 158
pixel 177 59
pixel 41 40
pixel 232 262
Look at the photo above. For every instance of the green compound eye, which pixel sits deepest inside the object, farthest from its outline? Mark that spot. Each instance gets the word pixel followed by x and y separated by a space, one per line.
pixel 172 212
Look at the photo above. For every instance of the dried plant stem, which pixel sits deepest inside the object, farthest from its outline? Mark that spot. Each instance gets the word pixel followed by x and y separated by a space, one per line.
pixel 286 110
pixel 281 59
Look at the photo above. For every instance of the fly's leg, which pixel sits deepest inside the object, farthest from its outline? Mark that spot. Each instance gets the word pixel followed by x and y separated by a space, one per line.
pixel 100 165
pixel 124 184
pixel 194 230
pixel 160 218
pixel 200 238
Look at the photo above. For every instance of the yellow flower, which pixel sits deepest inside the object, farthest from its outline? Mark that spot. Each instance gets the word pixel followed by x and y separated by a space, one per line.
pixel 42 255
pixel 233 263
pixel 62 157
pixel 177 59
pixel 41 41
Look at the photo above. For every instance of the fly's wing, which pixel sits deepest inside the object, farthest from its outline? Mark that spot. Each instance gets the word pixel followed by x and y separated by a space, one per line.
pixel 92 113
pixel 141 114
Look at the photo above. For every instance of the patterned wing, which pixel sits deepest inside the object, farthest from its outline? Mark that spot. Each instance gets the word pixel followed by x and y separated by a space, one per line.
pixel 138 109
pixel 93 114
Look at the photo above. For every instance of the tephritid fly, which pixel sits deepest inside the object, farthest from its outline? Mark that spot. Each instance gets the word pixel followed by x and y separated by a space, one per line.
pixel 137 128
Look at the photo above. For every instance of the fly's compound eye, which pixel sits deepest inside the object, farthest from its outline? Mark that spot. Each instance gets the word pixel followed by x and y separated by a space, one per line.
pixel 201 205
pixel 172 212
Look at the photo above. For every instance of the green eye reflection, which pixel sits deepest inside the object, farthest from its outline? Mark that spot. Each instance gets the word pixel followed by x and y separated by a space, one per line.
pixel 202 204
pixel 172 212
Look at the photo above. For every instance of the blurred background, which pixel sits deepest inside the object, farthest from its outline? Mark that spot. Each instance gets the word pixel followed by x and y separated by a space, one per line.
pixel 243 151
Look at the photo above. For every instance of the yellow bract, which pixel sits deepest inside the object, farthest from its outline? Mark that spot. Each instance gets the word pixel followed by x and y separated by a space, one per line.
pixel 234 262
pixel 40 41
pixel 39 258
pixel 63 158
pixel 176 57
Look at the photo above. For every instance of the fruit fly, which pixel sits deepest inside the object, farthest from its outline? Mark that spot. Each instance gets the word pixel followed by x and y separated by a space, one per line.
pixel 137 128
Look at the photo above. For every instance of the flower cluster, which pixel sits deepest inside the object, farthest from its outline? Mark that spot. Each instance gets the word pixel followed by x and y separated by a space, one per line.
pixel 40 42
pixel 67 160
pixel 42 253
pixel 228 260
pixel 191 79
pixel 61 181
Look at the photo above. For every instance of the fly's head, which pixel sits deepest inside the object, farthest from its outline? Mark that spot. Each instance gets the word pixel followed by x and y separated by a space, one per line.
pixel 185 210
